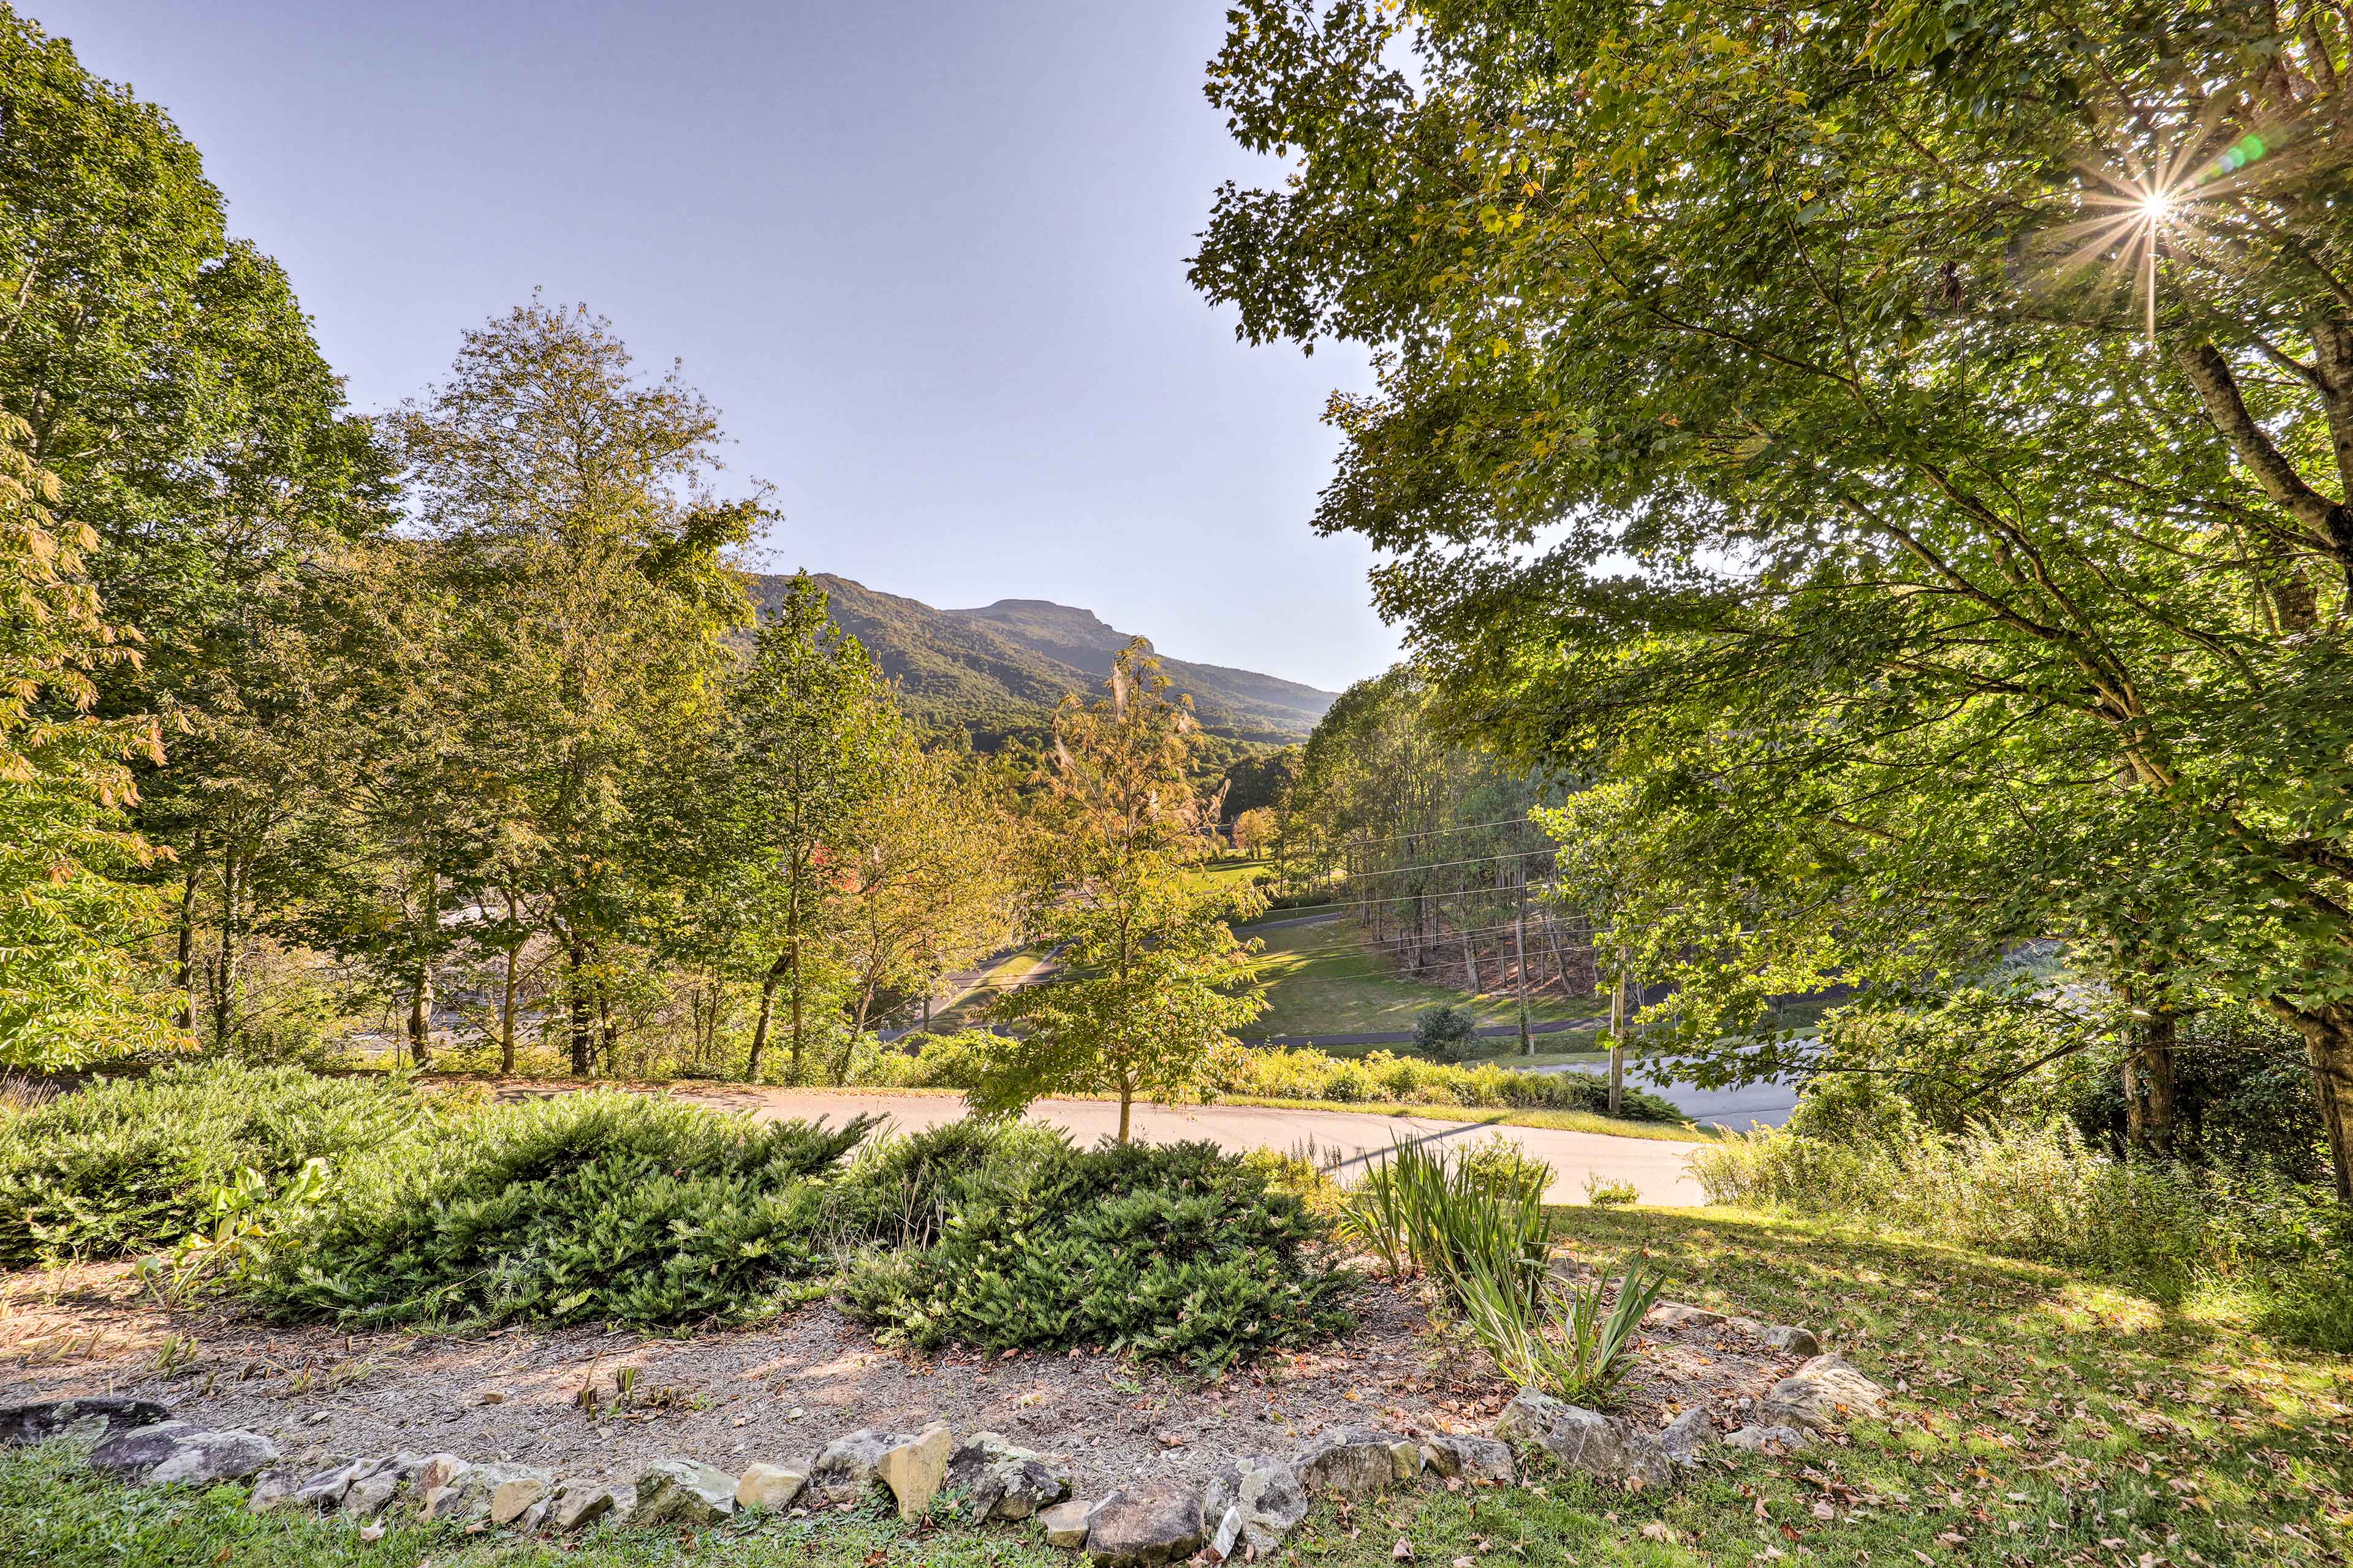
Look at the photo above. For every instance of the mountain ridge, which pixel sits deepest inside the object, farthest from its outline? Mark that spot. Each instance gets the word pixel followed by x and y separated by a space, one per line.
pixel 997 670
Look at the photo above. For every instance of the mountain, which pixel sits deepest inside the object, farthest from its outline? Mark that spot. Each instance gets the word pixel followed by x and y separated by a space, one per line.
pixel 1000 670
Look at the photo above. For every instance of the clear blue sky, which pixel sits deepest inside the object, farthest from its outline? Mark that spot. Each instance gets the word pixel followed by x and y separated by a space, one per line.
pixel 927 257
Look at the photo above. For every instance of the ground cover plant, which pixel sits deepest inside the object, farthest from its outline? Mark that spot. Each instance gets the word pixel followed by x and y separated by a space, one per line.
pixel 2045 1417
pixel 1175 1250
pixel 133 1163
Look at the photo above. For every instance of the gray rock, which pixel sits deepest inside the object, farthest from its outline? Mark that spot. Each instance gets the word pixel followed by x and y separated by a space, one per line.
pixel 85 1420
pixel 1768 1439
pixel 1065 1524
pixel 1473 1458
pixel 1680 1315
pixel 273 1487
pixel 172 1451
pixel 1349 1462
pixel 775 1488
pixel 1819 1394
pixel 844 1468
pixel 1405 1462
pixel 322 1491
pixel 1001 1481
pixel 373 1489
pixel 515 1490
pixel 1791 1338
pixel 681 1491
pixel 1585 1439
pixel 1269 1494
pixel 1688 1433
pixel 575 1505
pixel 1229 1537
pixel 1147 1526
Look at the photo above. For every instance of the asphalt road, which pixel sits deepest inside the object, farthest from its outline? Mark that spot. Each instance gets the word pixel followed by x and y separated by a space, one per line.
pixel 1768 1104
pixel 1343 1141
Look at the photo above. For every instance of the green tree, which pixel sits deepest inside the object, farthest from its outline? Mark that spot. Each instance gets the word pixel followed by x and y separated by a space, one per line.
pixel 1907 446
pixel 571 509
pixel 69 923
pixel 1154 977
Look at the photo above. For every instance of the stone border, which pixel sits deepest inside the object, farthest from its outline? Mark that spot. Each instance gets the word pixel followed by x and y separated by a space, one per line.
pixel 1249 1508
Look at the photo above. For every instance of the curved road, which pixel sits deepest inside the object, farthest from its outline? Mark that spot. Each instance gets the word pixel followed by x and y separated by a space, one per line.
pixel 1343 1141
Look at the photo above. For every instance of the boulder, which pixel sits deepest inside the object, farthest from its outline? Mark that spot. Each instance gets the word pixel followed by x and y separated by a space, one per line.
pixel 1405 1462
pixel 511 1491
pixel 682 1491
pixel 273 1487
pixel 844 1470
pixel 1688 1433
pixel 171 1451
pixel 775 1488
pixel 1268 1493
pixel 1680 1315
pixel 1585 1439
pixel 373 1489
pixel 1471 1459
pixel 913 1469
pixel 575 1505
pixel 1819 1394
pixel 1002 1481
pixel 1791 1338
pixel 1145 1526
pixel 1350 1462
pixel 87 1419
pixel 1768 1439
pixel 1065 1524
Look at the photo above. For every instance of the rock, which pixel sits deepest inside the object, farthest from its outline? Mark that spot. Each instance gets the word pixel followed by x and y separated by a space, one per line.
pixel 913 1469
pixel 1768 1439
pixel 1002 1481
pixel 1684 1436
pixel 681 1491
pixel 435 1470
pixel 1819 1394
pixel 1749 1326
pixel 1229 1535
pixel 1066 1523
pixel 372 1488
pixel 578 1504
pixel 171 1451
pixel 87 1419
pixel 273 1489
pixel 844 1470
pixel 1405 1462
pixel 515 1490
pixel 1680 1315
pixel 1349 1462
pixel 771 1487
pixel 1585 1439
pixel 1146 1526
pixel 1796 1340
pixel 322 1491
pixel 1473 1458
pixel 1267 1493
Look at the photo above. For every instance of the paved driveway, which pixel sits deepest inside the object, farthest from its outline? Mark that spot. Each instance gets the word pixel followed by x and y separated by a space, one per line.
pixel 1345 1141
pixel 1768 1103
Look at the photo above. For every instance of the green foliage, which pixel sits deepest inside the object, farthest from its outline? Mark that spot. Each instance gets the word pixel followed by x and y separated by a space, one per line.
pixel 581 1209
pixel 130 1165
pixel 1175 1251
pixel 1558 1339
pixel 1458 1216
pixel 1610 1194
pixel 1381 1077
pixel 1444 1034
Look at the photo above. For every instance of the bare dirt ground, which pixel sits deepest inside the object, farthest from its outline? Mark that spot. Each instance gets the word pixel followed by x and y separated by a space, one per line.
pixel 778 1391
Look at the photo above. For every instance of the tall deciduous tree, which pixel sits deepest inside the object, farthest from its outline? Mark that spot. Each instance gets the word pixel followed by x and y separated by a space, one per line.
pixel 573 509
pixel 1154 978
pixel 1917 437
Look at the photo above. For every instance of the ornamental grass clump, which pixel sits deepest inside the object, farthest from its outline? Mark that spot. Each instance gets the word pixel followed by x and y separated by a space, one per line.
pixel 588 1207
pixel 126 1166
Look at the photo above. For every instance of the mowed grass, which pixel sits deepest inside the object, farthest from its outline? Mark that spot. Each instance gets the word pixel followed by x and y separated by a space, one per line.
pixel 2042 1418
pixel 1321 981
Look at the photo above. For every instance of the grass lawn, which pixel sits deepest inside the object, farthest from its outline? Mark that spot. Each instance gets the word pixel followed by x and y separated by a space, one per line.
pixel 1320 980
pixel 2041 1419
pixel 965 1013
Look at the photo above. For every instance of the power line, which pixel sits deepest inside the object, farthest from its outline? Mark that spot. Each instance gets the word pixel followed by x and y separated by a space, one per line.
pixel 1432 833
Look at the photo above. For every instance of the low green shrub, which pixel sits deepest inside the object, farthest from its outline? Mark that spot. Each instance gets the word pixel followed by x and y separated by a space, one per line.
pixel 1556 1338
pixel 1175 1250
pixel 1445 1033
pixel 125 1166
pixel 1456 1214
pixel 585 1208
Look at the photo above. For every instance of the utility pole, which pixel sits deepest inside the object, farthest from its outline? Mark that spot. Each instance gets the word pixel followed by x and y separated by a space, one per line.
pixel 1520 962
pixel 1618 1035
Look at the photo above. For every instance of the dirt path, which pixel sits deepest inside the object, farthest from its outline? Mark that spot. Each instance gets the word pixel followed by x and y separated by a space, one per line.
pixel 1343 1141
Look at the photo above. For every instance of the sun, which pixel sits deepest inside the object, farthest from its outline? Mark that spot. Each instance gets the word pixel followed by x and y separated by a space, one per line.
pixel 2155 207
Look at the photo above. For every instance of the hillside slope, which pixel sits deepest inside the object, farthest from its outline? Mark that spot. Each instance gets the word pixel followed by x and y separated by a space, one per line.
pixel 1000 671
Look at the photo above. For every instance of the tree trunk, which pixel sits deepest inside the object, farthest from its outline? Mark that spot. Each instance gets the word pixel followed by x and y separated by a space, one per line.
pixel 1520 964
pixel 420 1017
pixel 575 963
pixel 186 974
pixel 767 1013
pixel 1126 1102
pixel 1471 958
pixel 2148 1084
pixel 507 996
pixel 609 1032
pixel 1618 1037
pixel 2327 1033
pixel 224 966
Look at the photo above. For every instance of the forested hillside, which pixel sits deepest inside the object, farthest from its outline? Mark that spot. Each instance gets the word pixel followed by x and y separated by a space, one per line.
pixel 1000 671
